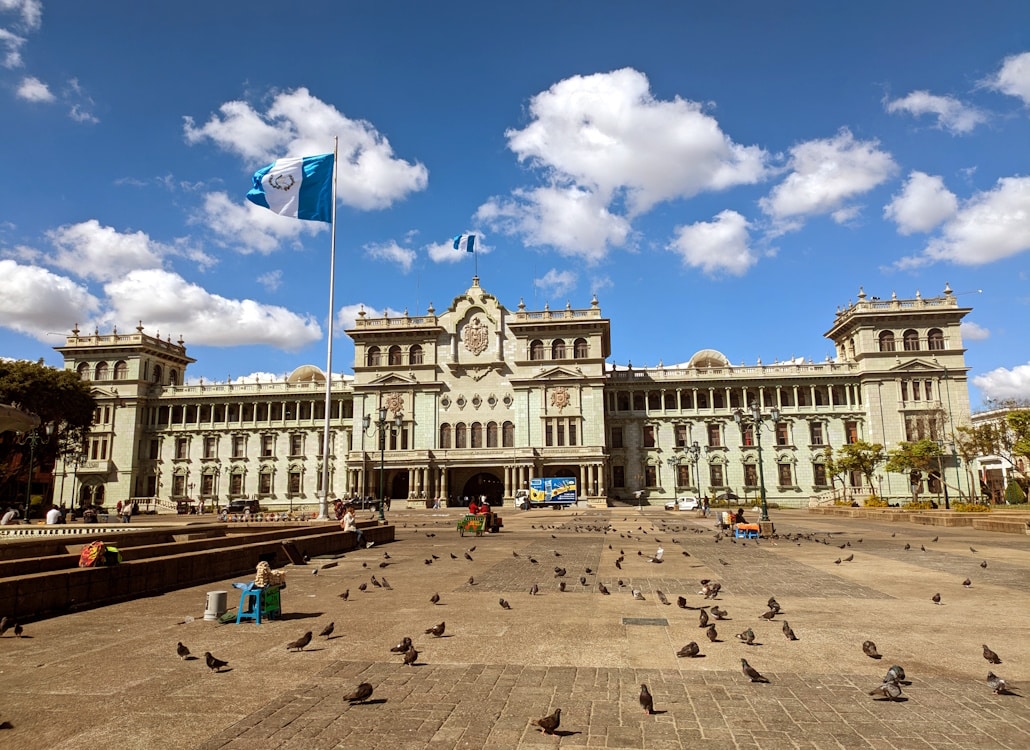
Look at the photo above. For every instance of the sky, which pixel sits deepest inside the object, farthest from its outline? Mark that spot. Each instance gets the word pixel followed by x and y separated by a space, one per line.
pixel 719 175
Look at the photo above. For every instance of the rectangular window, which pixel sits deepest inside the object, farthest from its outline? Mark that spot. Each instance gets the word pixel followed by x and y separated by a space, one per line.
pixel 207 485
pixel 572 433
pixel 649 437
pixel 786 475
pixel 616 437
pixel 155 449
pixel 683 478
pixel 682 436
pixel 855 478
pixel 650 476
pixel 851 431
pixel 267 445
pixel 747 435
pixel 928 389
pixel 904 390
pixel 296 445
pixel 294 482
pixel 548 434
pixel 265 483
pixel 210 444
pixel 816 428
pixel 561 433
pixel 819 475
pixel 750 475
pixel 103 449
pixel 715 475
pixel 782 433
pixel 182 446
pixel 238 443
pixel 619 476
pixel 714 436
pixel 235 484
pixel 178 486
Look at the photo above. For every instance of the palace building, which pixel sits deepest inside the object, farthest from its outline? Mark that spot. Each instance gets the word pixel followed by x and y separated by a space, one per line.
pixel 478 399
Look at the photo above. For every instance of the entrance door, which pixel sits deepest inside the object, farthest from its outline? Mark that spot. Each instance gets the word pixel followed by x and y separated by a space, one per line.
pixel 485 484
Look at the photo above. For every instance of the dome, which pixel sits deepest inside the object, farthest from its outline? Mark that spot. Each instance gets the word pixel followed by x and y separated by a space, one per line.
pixel 306 374
pixel 709 358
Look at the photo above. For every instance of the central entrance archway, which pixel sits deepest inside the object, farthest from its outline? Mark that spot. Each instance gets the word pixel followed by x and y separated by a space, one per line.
pixel 487 484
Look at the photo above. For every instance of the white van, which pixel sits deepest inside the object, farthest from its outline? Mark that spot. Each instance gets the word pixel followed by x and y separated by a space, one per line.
pixel 683 503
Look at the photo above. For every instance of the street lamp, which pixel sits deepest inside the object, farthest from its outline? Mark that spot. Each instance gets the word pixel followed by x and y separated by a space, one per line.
pixel 380 427
pixel 694 452
pixel 33 438
pixel 673 462
pixel 943 479
pixel 755 419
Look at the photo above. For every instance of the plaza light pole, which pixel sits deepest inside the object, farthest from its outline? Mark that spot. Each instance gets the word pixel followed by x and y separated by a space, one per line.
pixel 943 479
pixel 673 462
pixel 33 438
pixel 380 428
pixel 694 451
pixel 756 419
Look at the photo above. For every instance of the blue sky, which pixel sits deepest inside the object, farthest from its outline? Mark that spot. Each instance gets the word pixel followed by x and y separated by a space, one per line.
pixel 720 177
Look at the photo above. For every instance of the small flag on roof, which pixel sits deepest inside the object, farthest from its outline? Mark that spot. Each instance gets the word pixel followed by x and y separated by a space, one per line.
pixel 466 242
pixel 300 187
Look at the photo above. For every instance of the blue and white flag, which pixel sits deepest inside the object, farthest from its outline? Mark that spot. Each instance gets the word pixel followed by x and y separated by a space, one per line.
pixel 300 187
pixel 466 242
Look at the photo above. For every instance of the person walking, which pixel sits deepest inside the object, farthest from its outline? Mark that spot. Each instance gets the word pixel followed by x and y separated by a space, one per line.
pixel 127 512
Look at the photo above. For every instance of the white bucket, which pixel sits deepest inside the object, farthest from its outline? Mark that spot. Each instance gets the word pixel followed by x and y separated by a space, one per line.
pixel 216 604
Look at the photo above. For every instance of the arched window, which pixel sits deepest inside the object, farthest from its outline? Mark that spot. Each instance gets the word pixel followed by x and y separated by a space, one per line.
pixel 638 401
pixel 654 400
pixel 622 401
pixel 121 370
pixel 395 356
pixel 491 435
pixel 83 370
pixel 508 435
pixel 173 377
pixel 935 339
pixel 580 349
pixel 558 349
pixel 911 340
pixel 445 436
pixel 886 341
pixel 101 371
pixel 461 435
pixel 536 349
pixel 372 356
pixel 415 355
pixel 157 375
pixel 477 435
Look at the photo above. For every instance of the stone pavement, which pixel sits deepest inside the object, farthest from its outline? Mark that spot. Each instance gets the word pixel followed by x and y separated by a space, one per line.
pixel 110 677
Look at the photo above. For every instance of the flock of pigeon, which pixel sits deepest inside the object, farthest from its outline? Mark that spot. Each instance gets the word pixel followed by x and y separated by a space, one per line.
pixel 709 614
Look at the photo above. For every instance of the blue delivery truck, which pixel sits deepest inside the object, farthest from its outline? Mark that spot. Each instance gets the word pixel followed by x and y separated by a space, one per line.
pixel 548 492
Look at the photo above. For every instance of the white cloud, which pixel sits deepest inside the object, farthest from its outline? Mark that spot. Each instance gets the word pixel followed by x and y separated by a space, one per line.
pixel 608 151
pixel 348 314
pixel 826 174
pixel 30 14
pixel 272 280
pixel 168 302
pixel 991 225
pixel 573 220
pixel 923 203
pixel 259 377
pixel 90 250
pixel 248 228
pixel 32 89
pixel 973 332
pixel 299 124
pixel 951 114
pixel 1014 77
pixel 34 300
pixel 11 45
pixel 556 283
pixel 31 11
pixel 722 245
pixel 1003 384
pixel 391 252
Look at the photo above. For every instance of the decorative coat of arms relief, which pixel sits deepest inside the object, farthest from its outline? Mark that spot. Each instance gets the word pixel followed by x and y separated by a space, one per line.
pixel 560 398
pixel 395 403
pixel 476 335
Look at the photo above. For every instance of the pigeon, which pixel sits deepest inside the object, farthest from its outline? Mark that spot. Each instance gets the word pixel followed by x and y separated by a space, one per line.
pixel 718 614
pixel 908 546
pixel 967 583
pixel 533 590
pixel 984 565
pixel 773 605
pixel 215 665
pixel 362 587
pixel 971 549
pixel 360 694
pixel 646 701
pixel 18 630
pixel 561 585
pixel 603 589
pixel 990 656
pixel 748 636
pixel 5 625
pixel 936 598
pixel 403 646
pixel 183 652
pixel 300 643
pixel 375 582
pixel 468 557
pixel 934 539
pixel 583 580
pixel 504 604
pixel 849 558
pixel 712 635
pixel 437 630
pixel 434 599
pixel 768 615
pixel 472 580
pixel 998 685
pixel 327 630
pixel 559 572
pixel 386 584
pixel 410 656
pixel 345 595
pixel 889 690
pixel 690 650
pixel 702 619
pixel 661 597
pixel 895 674
pixel 788 632
pixel 869 649
pixel 453 556
pixel 750 672
pixel 549 723
pixel 638 595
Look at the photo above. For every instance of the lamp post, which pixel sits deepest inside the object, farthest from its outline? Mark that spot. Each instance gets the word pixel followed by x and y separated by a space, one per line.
pixel 33 438
pixel 673 462
pixel 943 479
pixel 694 452
pixel 380 428
pixel 756 419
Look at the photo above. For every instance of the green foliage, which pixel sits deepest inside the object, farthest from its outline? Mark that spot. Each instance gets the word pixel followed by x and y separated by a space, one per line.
pixel 859 456
pixel 1019 423
pixel 874 501
pixel 1014 494
pixel 918 505
pixel 970 508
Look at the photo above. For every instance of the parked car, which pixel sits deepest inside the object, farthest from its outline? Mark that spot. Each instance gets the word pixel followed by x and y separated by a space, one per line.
pixel 241 505
pixel 683 503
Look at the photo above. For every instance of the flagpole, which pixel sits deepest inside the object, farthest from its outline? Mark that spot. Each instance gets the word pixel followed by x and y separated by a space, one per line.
pixel 323 508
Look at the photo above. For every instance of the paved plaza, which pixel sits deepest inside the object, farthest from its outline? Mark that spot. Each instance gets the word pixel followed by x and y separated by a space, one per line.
pixel 110 677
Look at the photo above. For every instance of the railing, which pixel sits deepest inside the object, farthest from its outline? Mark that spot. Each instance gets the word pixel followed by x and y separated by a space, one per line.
pixel 744 371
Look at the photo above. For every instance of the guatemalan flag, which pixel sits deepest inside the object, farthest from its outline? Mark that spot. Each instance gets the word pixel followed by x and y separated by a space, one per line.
pixel 466 242
pixel 300 187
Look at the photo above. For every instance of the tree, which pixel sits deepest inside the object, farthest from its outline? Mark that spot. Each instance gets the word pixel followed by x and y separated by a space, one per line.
pixel 862 457
pixel 57 397
pixel 1018 423
pixel 915 459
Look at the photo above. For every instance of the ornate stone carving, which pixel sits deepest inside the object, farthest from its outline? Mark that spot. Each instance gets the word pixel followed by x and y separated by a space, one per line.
pixel 395 403
pixel 560 397
pixel 475 336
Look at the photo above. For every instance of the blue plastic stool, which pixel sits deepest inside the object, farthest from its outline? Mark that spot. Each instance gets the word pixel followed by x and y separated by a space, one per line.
pixel 257 602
